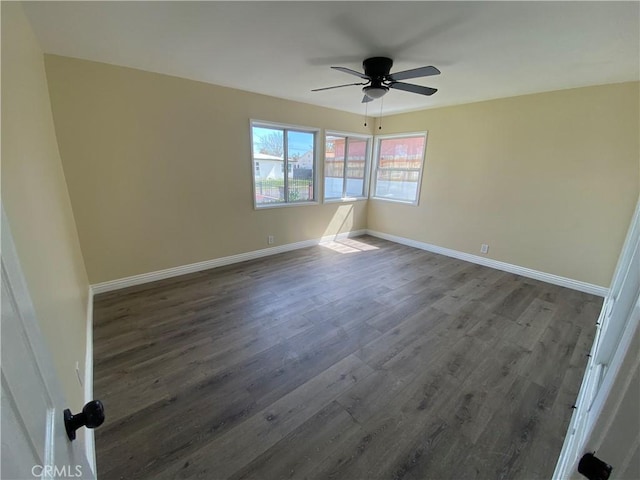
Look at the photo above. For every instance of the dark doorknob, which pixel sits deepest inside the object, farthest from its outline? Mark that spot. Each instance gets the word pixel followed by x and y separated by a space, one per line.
pixel 92 416
pixel 593 468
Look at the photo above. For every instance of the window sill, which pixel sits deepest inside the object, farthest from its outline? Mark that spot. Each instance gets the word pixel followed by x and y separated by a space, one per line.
pixel 285 205
pixel 394 200
pixel 345 199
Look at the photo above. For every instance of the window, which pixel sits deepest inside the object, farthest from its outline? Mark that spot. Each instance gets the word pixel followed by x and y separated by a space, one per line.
pixel 346 165
pixel 277 149
pixel 399 164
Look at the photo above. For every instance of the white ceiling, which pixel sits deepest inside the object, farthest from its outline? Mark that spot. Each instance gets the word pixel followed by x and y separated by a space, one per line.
pixel 484 49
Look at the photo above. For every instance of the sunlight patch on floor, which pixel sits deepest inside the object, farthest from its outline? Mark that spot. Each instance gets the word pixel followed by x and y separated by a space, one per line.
pixel 348 245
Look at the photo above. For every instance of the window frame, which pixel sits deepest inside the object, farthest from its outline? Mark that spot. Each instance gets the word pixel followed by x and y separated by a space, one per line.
pixel 376 167
pixel 367 167
pixel 285 127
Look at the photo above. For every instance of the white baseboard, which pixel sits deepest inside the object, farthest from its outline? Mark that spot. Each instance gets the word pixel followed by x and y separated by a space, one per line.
pixel 488 262
pixel 243 257
pixel 216 262
pixel 89 438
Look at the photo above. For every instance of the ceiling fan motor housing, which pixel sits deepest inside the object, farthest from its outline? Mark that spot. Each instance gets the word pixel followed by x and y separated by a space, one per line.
pixel 377 68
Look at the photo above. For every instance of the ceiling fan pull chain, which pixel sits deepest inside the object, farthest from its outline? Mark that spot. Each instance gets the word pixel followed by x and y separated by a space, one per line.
pixel 366 108
pixel 381 104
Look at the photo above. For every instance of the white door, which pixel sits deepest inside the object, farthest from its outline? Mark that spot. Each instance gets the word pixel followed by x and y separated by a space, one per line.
pixel 617 323
pixel 34 440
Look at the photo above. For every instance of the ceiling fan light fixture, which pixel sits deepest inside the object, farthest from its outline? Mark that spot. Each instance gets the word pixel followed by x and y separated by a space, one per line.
pixel 375 92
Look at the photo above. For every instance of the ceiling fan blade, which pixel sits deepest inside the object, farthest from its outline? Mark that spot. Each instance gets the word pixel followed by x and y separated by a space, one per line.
pixel 351 72
pixel 414 73
pixel 367 99
pixel 337 86
pixel 408 87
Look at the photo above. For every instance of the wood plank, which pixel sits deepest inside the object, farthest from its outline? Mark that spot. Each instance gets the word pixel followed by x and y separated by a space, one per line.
pixel 295 456
pixel 228 453
pixel 501 450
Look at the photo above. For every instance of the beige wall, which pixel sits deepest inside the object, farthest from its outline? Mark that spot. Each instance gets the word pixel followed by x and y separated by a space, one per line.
pixel 549 181
pixel 36 201
pixel 159 173
pixel 159 169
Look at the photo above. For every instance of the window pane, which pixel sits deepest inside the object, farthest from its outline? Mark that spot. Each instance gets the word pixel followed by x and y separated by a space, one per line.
pixel 268 164
pixel 283 164
pixel 401 152
pixel 399 164
pixel 334 166
pixel 356 162
pixel 300 155
pixel 397 185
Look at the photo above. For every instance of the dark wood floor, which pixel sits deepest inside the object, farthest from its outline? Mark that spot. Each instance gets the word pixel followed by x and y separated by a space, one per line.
pixel 363 359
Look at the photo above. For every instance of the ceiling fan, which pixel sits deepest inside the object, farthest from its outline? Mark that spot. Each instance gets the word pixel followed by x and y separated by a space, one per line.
pixel 379 80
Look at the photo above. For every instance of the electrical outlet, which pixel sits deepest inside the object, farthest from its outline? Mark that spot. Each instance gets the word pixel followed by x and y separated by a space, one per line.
pixel 484 248
pixel 270 239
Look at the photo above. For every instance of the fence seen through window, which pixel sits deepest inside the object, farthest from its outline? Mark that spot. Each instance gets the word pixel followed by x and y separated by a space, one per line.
pixel 346 164
pixel 399 166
